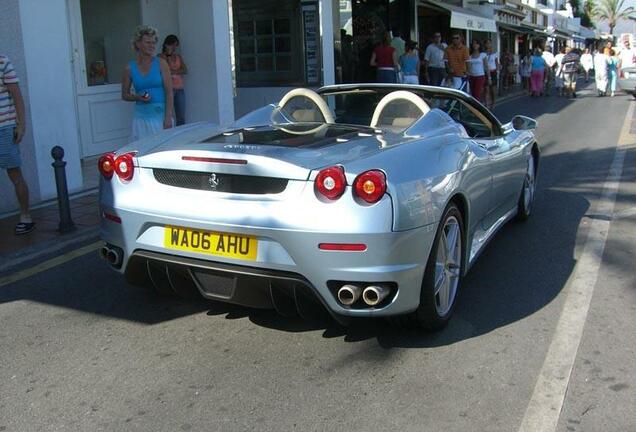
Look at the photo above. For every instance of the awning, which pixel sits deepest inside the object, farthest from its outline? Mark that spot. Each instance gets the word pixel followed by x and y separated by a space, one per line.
pixel 464 19
pixel 587 33
pixel 521 29
pixel 514 28
pixel 557 33
pixel 535 31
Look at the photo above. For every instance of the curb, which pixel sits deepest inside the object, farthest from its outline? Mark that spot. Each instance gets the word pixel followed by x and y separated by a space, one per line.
pixel 27 257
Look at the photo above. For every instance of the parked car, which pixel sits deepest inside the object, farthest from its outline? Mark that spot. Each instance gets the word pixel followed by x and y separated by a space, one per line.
pixel 367 200
pixel 627 80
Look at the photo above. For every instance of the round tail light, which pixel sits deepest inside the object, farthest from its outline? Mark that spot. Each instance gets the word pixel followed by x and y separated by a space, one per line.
pixel 124 166
pixel 106 165
pixel 370 186
pixel 331 182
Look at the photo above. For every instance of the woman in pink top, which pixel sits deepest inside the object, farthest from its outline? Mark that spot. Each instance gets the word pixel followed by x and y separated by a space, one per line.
pixel 385 59
pixel 177 70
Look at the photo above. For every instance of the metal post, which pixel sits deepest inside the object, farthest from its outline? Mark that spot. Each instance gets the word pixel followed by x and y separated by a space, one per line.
pixel 66 224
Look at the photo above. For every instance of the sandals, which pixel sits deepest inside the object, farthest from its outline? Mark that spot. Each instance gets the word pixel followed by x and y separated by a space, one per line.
pixel 24 228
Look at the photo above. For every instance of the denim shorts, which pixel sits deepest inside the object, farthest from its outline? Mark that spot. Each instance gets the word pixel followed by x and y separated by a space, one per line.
pixel 9 151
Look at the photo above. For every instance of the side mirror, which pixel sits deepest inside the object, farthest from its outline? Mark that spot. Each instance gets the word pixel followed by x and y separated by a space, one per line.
pixel 520 122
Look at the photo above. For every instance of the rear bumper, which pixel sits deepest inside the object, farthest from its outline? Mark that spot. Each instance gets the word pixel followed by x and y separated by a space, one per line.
pixel 289 263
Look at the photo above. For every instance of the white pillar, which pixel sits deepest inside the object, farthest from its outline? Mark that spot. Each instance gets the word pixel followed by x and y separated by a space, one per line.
pixel 205 44
pixel 327 46
pixel 47 52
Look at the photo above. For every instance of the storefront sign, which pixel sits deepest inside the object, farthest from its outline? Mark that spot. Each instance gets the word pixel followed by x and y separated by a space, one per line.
pixel 312 41
pixel 472 22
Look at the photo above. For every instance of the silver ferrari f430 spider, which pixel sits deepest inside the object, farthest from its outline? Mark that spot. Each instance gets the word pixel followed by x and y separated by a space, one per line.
pixel 365 200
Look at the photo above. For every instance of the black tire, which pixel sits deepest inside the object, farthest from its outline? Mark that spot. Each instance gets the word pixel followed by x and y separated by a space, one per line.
pixel 426 316
pixel 524 206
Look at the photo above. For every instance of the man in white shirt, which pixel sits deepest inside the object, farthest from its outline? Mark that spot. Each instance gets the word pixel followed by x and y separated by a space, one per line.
pixel 548 57
pixel 434 67
pixel 627 56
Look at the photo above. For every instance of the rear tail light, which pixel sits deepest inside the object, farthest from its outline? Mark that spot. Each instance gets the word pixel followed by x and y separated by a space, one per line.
pixel 331 182
pixel 370 186
pixel 124 166
pixel 106 165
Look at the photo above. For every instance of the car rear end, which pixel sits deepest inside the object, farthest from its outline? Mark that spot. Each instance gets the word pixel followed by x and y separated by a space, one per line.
pixel 627 80
pixel 257 228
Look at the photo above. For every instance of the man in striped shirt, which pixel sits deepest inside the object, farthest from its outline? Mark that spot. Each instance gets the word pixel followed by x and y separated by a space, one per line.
pixel 12 128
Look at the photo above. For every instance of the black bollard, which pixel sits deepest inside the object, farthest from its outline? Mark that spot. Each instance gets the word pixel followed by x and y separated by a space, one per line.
pixel 59 166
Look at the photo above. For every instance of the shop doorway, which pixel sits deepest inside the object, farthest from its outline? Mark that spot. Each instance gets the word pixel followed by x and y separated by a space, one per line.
pixel 361 28
pixel 431 21
pixel 101 38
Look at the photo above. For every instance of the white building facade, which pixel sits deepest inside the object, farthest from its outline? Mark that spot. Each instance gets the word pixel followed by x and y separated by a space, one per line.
pixel 70 56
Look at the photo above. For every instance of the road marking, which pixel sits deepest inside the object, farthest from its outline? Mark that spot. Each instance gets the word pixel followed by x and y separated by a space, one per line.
pixel 46 265
pixel 544 408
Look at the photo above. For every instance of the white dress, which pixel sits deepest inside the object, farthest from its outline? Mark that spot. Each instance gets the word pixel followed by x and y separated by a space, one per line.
pixel 586 62
pixel 600 71
pixel 558 77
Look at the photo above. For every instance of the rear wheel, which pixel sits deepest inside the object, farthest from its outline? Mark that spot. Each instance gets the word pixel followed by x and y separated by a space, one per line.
pixel 526 200
pixel 442 275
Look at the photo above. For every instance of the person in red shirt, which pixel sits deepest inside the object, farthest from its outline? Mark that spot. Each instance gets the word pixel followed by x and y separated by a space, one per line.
pixel 385 59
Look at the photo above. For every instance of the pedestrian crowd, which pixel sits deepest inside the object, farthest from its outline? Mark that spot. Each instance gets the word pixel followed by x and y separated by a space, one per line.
pixel 482 72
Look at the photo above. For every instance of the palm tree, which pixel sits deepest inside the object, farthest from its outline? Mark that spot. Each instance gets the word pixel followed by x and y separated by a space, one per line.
pixel 612 11
pixel 590 10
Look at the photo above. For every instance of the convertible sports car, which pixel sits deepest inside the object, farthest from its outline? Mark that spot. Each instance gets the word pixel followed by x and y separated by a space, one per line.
pixel 367 200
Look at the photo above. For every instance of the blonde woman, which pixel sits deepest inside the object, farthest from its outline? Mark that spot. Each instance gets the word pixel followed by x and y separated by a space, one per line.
pixel 150 77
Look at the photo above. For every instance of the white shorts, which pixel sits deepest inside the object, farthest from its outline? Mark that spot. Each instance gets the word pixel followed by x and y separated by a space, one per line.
pixel 410 79
pixel 142 128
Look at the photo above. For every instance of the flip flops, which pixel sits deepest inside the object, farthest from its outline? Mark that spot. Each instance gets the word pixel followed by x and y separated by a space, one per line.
pixel 24 228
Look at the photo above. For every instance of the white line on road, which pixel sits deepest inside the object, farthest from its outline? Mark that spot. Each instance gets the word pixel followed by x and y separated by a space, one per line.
pixel 544 408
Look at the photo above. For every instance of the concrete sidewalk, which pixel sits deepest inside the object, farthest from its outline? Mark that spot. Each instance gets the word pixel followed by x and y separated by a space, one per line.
pixel 17 252
pixel 45 242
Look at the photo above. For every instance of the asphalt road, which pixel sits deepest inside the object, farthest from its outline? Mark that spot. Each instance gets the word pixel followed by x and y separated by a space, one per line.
pixel 81 351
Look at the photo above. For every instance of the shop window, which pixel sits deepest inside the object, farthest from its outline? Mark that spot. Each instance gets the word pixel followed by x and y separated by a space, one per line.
pixel 269 42
pixel 107 28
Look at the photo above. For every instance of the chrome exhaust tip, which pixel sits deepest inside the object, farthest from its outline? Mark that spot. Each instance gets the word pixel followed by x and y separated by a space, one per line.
pixel 349 294
pixel 112 257
pixel 374 294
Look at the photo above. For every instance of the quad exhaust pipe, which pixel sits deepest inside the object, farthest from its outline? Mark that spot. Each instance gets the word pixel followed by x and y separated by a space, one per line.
pixel 111 255
pixel 372 295
pixel 349 294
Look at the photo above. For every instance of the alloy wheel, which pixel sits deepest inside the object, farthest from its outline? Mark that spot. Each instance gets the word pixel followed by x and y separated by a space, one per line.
pixel 529 184
pixel 448 266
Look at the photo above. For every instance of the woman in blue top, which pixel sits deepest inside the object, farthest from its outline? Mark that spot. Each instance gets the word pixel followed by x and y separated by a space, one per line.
pixel 613 64
pixel 410 64
pixel 150 77
pixel 537 73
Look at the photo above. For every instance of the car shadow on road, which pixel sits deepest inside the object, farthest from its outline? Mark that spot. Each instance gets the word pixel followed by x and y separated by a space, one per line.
pixel 521 271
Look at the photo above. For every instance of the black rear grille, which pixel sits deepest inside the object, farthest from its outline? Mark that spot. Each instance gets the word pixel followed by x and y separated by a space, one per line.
pixel 214 182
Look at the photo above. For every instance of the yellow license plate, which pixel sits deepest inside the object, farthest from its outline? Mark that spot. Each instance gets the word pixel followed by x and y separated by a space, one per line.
pixel 215 243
